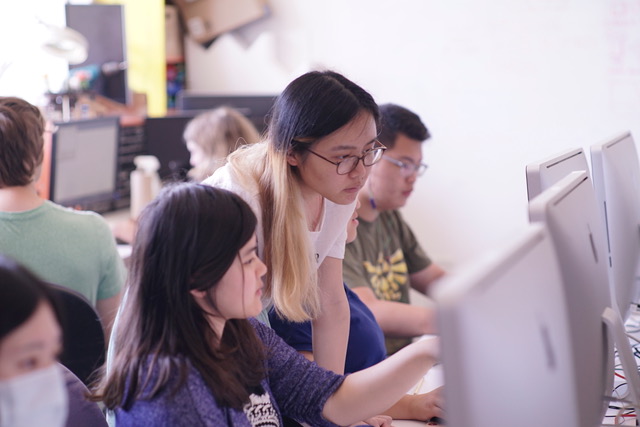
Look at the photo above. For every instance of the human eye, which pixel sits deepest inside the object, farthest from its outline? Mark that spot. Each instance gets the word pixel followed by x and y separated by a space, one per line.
pixel 28 364
pixel 250 258
pixel 343 157
pixel 372 156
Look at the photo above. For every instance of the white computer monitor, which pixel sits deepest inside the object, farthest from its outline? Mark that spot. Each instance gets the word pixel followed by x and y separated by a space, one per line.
pixel 544 173
pixel 570 211
pixel 84 163
pixel 616 180
pixel 506 348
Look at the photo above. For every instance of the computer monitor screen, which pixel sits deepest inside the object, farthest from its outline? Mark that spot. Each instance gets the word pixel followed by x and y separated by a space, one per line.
pixel 255 108
pixel 616 180
pixel 542 174
pixel 84 158
pixel 504 331
pixel 570 211
pixel 163 139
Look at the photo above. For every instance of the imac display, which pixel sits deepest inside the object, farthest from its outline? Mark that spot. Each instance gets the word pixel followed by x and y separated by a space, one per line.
pixel 255 108
pixel 569 209
pixel 541 175
pixel 84 159
pixel 616 180
pixel 506 348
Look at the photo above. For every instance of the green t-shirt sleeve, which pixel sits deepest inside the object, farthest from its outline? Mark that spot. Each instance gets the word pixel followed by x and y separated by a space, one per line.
pixel 353 272
pixel 415 257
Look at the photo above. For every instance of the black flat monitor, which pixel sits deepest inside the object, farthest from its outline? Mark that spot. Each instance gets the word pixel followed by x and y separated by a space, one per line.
pixel 163 139
pixel 255 107
pixel 84 163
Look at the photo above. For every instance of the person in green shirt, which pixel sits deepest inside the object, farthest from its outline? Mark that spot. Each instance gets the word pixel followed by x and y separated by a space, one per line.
pixel 70 248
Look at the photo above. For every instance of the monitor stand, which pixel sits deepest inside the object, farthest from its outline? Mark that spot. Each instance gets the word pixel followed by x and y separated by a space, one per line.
pixel 616 329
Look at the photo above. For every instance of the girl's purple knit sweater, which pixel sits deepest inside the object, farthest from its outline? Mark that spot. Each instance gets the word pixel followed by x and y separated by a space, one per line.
pixel 298 389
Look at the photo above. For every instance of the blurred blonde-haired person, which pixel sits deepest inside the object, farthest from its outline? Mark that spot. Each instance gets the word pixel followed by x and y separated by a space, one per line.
pixel 212 135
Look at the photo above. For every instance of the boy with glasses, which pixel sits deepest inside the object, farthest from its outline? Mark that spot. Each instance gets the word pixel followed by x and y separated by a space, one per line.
pixel 386 258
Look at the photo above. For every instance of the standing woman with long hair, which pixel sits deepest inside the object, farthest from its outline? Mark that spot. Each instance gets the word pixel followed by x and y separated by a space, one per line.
pixel 186 350
pixel 302 183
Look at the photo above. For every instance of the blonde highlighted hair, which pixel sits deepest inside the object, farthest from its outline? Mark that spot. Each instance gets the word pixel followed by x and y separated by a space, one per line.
pixel 291 279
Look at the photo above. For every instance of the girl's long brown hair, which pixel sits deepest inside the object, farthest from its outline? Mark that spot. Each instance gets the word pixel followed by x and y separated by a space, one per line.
pixel 187 239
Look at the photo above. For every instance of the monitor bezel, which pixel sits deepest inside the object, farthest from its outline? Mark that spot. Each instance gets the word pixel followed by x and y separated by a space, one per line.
pixel 542 174
pixel 480 377
pixel 99 202
pixel 610 177
pixel 569 210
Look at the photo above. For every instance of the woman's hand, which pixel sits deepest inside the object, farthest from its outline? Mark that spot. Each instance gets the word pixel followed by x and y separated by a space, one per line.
pixel 427 405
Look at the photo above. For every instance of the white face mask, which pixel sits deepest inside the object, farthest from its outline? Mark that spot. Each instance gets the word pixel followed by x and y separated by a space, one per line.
pixel 38 398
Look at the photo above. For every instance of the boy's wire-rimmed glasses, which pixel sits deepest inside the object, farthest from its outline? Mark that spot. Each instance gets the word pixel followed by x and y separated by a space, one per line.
pixel 407 168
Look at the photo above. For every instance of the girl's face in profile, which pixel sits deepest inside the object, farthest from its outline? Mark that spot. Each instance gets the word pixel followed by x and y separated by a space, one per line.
pixel 238 294
pixel 33 345
pixel 197 155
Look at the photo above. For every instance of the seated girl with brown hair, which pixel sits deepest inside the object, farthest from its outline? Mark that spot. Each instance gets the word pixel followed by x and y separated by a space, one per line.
pixel 187 351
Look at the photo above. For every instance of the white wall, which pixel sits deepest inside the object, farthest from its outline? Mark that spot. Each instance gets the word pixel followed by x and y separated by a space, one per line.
pixel 499 84
pixel 24 67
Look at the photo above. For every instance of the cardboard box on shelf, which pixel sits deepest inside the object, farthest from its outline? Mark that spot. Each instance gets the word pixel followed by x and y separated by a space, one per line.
pixel 207 19
pixel 173 35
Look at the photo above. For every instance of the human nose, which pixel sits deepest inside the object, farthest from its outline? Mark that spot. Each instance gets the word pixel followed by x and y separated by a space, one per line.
pixel 412 176
pixel 262 269
pixel 359 168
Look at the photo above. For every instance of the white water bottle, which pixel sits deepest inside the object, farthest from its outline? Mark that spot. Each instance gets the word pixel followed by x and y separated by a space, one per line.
pixel 145 183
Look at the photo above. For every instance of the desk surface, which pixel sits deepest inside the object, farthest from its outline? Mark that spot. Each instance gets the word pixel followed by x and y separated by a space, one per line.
pixel 121 224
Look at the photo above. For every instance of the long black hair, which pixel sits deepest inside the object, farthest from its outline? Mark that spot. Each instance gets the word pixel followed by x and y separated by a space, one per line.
pixel 187 239
pixel 21 292
pixel 315 105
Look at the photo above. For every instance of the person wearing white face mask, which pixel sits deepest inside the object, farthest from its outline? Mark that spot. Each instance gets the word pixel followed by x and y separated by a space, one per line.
pixel 35 390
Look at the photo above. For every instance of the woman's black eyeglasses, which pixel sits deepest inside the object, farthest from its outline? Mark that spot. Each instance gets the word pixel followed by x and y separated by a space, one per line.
pixel 349 163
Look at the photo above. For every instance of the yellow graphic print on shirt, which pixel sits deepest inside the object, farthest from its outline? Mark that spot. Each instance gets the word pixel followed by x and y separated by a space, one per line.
pixel 388 275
